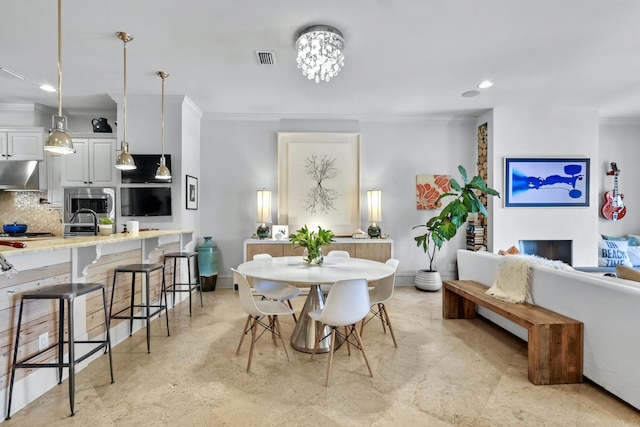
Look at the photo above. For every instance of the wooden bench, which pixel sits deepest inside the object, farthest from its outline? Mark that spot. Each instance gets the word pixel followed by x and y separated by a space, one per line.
pixel 555 342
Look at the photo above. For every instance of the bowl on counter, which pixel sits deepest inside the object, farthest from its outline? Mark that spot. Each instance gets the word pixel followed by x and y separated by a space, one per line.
pixel 14 228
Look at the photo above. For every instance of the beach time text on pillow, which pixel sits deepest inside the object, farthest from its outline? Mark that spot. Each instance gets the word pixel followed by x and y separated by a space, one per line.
pixel 612 253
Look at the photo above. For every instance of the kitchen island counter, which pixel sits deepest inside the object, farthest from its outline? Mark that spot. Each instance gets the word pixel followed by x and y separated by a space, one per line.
pixel 56 243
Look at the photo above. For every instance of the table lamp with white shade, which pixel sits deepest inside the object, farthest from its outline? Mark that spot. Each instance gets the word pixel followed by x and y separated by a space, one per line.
pixel 264 213
pixel 374 201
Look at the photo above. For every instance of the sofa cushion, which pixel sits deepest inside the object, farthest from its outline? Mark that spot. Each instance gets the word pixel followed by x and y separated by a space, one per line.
pixel 612 253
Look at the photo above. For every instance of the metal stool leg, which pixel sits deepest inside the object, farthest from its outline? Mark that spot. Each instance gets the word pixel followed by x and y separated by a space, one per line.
pixel 15 360
pixel 107 327
pixel 60 340
pixel 189 282
pixel 173 294
pixel 72 356
pixel 133 293
pixel 163 291
pixel 148 311
pixel 198 281
pixel 113 292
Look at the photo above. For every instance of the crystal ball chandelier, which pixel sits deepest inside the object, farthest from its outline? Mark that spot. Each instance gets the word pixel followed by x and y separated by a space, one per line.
pixel 320 52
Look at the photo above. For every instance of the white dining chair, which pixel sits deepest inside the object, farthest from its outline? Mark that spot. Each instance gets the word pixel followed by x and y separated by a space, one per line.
pixel 333 254
pixel 380 294
pixel 346 305
pixel 341 254
pixel 257 310
pixel 278 291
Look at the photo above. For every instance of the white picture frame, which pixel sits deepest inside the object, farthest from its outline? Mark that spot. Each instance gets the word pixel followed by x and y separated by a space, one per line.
pixel 280 232
pixel 319 181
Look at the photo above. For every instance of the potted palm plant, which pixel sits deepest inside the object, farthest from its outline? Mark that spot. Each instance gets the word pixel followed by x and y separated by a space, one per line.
pixel 444 226
pixel 312 243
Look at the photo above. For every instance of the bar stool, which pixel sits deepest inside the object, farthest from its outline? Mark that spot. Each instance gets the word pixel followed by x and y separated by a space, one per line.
pixel 145 269
pixel 184 287
pixel 62 292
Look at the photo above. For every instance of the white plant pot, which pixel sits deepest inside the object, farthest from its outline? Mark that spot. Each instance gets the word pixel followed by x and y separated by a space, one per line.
pixel 428 280
pixel 105 229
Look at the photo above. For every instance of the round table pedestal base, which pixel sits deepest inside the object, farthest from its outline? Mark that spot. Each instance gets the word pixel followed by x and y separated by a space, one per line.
pixel 304 335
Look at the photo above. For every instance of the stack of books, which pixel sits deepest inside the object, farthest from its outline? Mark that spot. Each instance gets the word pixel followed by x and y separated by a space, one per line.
pixel 475 236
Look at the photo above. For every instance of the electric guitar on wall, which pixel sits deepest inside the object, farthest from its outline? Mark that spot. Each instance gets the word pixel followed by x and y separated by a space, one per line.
pixel 613 207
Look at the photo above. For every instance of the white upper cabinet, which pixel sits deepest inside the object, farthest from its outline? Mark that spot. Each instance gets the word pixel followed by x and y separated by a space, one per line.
pixel 18 145
pixel 92 165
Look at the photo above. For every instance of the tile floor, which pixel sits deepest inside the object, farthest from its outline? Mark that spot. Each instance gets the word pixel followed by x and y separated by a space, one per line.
pixel 443 373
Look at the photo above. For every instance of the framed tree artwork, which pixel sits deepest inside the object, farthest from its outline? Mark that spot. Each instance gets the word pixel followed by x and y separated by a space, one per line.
pixel 319 181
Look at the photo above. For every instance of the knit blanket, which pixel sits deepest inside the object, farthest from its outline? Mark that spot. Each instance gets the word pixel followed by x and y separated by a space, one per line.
pixel 513 277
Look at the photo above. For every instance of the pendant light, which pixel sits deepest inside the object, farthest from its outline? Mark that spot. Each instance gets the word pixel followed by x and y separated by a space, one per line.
pixel 163 171
pixel 125 161
pixel 59 140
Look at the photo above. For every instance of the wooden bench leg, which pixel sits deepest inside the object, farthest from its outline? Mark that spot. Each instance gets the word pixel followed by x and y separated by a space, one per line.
pixel 555 353
pixel 455 306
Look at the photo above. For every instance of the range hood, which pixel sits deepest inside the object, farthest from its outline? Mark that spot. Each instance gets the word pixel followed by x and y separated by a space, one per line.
pixel 20 175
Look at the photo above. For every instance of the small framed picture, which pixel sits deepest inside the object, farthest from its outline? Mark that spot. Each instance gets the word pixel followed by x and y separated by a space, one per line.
pixel 280 232
pixel 192 192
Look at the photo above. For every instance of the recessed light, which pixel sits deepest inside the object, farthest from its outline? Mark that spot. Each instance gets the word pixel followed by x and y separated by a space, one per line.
pixel 485 84
pixel 48 88
pixel 471 93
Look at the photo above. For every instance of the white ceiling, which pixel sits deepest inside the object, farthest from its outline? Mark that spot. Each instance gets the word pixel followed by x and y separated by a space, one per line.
pixel 402 57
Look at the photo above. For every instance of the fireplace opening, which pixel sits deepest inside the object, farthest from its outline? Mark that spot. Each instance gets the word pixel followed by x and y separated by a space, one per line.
pixel 551 249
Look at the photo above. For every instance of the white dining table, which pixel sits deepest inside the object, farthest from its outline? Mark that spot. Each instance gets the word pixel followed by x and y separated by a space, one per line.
pixel 294 271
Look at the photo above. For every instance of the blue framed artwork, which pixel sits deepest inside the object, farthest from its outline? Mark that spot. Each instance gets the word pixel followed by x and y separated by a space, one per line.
pixel 546 182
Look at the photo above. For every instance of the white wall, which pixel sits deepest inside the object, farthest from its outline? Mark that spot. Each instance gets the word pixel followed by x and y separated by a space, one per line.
pixel 144 134
pixel 238 157
pixel 189 164
pixel 521 132
pixel 620 143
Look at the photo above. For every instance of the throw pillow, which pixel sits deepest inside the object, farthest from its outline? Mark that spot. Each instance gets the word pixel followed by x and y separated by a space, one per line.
pixel 633 240
pixel 612 253
pixel 617 239
pixel 634 255
pixel 628 273
pixel 511 251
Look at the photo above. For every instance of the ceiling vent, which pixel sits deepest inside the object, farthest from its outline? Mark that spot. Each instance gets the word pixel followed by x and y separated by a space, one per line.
pixel 10 74
pixel 265 58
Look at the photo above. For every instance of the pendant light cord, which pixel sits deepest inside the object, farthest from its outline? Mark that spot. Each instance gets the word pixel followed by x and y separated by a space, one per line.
pixel 125 92
pixel 59 58
pixel 162 116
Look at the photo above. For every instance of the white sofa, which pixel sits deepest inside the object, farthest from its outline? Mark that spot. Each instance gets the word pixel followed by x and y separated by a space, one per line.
pixel 608 307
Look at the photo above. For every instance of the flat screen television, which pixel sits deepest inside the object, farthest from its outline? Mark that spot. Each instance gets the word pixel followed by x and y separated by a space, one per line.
pixel 145 201
pixel 145 172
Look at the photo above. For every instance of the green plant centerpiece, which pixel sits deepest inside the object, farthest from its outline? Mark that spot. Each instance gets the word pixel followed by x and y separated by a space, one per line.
pixel 312 242
pixel 443 227
pixel 106 220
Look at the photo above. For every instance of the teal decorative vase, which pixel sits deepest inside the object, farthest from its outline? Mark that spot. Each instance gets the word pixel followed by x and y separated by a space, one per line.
pixel 208 265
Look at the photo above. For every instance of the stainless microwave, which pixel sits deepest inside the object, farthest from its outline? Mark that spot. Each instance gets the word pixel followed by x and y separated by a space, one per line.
pixel 100 200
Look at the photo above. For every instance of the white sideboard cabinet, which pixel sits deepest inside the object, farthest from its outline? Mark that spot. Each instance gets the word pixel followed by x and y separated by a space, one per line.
pixel 373 249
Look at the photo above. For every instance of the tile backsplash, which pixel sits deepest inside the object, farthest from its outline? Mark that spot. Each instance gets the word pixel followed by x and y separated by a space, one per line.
pixel 25 208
